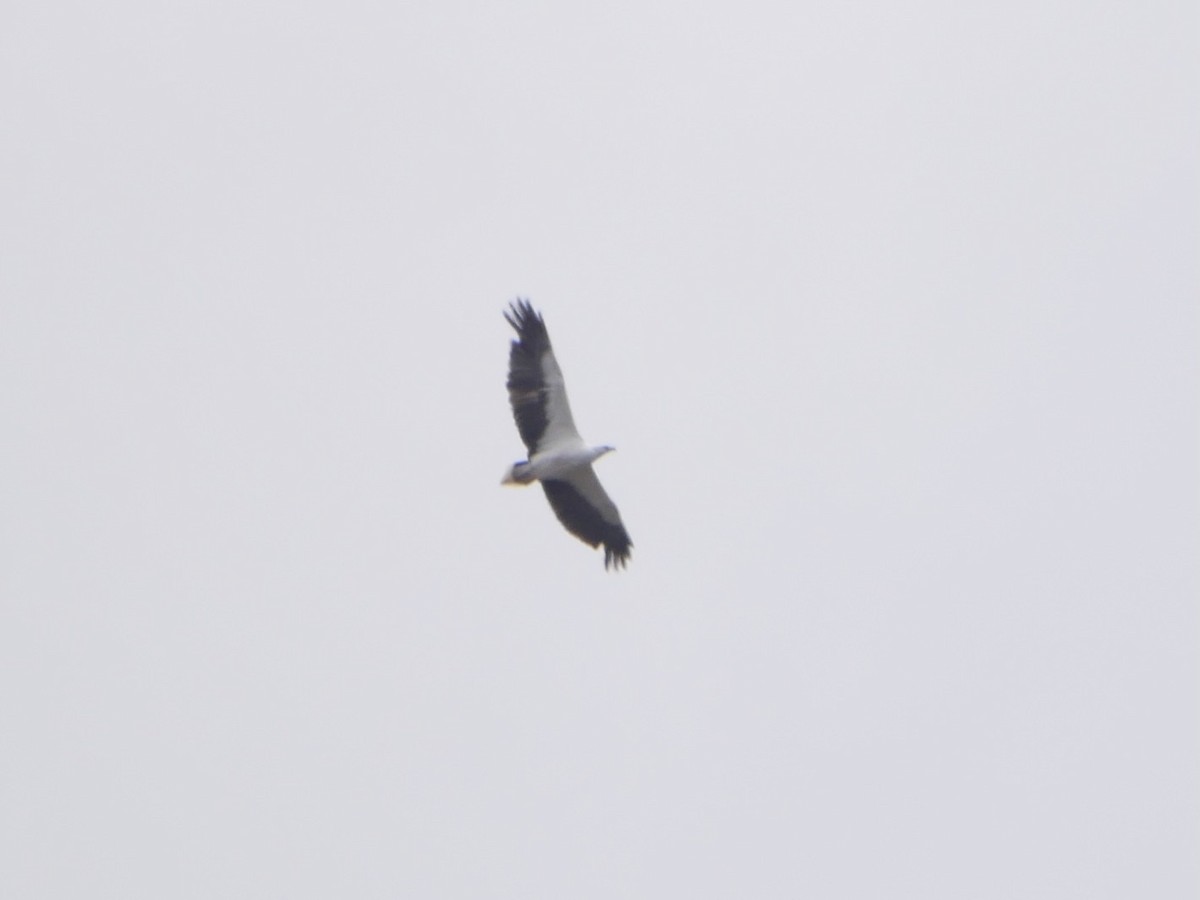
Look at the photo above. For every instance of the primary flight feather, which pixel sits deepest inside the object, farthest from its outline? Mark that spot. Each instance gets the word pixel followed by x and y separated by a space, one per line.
pixel 558 456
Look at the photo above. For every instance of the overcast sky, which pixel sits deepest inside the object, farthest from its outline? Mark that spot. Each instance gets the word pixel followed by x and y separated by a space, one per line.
pixel 890 310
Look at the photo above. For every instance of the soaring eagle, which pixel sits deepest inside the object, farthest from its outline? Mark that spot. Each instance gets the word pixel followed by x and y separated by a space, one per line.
pixel 558 457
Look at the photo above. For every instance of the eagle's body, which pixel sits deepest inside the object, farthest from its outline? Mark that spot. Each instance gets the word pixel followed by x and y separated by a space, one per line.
pixel 558 456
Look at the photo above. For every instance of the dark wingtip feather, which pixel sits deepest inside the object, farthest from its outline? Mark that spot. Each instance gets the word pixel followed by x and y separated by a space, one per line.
pixel 616 554
pixel 528 323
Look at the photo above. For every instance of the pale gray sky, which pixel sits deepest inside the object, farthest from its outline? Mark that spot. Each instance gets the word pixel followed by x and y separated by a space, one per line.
pixel 889 308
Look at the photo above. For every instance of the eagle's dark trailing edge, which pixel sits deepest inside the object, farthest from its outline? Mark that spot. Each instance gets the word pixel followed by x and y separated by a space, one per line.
pixel 558 457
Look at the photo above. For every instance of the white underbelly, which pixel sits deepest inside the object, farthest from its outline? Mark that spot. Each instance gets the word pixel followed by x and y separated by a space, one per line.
pixel 561 463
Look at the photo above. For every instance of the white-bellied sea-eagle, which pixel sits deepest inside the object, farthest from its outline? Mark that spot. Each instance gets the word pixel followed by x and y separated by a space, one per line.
pixel 558 457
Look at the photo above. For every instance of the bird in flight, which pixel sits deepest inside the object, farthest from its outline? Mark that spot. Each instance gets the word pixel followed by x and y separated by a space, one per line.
pixel 558 456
